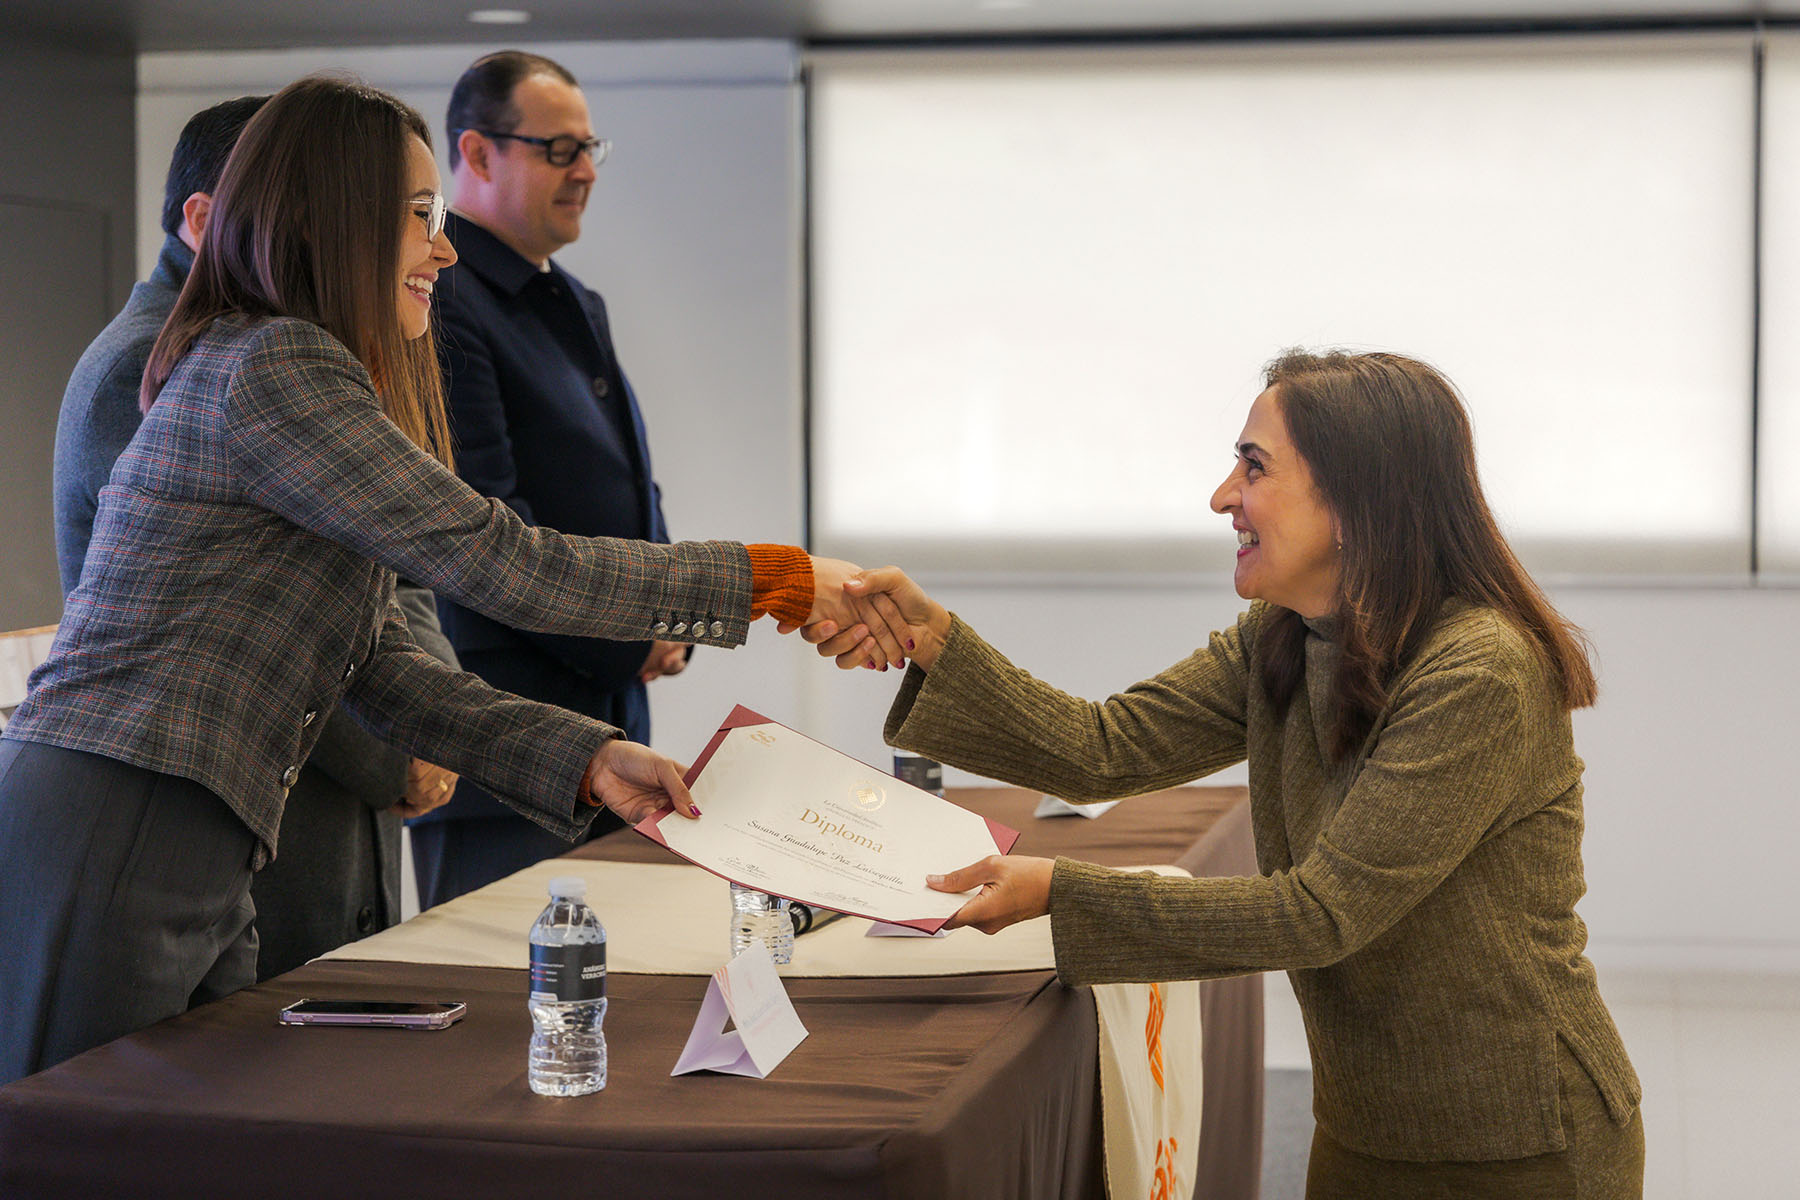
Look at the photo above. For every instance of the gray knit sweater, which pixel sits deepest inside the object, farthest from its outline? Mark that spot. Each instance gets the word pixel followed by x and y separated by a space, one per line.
pixel 1421 896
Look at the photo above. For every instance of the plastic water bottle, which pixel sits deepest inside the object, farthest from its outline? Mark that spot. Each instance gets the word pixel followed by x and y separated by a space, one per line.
pixel 568 994
pixel 758 916
pixel 923 773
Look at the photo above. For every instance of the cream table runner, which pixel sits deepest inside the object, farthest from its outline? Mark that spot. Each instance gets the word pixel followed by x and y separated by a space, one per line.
pixel 673 920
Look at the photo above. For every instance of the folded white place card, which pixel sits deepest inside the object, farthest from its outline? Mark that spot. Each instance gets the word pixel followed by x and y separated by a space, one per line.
pixel 748 992
pixel 1055 806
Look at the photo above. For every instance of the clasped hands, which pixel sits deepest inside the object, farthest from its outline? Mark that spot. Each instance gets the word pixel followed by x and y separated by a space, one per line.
pixel 428 786
pixel 665 658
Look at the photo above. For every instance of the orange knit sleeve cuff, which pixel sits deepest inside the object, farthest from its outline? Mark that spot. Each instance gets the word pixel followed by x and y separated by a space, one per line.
pixel 781 583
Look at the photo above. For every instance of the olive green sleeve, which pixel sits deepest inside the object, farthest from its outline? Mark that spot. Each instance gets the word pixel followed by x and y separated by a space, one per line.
pixel 974 709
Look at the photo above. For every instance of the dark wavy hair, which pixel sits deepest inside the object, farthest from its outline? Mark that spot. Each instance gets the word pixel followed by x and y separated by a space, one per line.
pixel 1388 442
pixel 306 222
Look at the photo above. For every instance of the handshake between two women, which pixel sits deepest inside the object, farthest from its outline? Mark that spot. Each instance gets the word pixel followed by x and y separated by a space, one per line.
pixel 872 619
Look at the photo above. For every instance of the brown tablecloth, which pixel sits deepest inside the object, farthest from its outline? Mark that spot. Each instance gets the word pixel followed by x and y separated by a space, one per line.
pixel 1158 828
pixel 977 1086
pixel 902 1090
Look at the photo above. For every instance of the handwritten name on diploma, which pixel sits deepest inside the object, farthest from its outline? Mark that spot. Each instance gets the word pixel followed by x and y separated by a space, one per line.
pixel 827 829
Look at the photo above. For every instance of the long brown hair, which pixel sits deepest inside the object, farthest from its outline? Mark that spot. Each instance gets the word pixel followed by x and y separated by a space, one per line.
pixel 306 223
pixel 1388 442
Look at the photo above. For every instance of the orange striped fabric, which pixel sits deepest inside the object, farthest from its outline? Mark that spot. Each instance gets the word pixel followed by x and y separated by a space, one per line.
pixel 1165 1184
pixel 1153 1027
pixel 781 583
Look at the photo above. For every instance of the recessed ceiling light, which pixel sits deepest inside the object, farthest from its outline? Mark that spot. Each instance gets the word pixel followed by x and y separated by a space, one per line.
pixel 499 16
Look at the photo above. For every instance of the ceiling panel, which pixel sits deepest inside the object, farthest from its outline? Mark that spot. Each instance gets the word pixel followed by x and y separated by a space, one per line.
pixel 150 25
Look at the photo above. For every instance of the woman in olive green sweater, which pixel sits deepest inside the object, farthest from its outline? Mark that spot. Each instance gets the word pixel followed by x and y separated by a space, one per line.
pixel 1401 691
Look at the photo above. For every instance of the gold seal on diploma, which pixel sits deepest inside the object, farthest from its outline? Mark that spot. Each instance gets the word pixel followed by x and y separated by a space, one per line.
pixel 868 796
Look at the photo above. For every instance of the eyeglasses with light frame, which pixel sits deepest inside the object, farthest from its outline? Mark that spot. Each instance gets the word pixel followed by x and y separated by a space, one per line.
pixel 430 208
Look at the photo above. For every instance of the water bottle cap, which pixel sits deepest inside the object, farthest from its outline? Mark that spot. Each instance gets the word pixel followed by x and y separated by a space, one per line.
pixel 568 887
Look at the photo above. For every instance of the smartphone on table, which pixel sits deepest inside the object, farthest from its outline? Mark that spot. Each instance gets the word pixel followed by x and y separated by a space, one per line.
pixel 392 1014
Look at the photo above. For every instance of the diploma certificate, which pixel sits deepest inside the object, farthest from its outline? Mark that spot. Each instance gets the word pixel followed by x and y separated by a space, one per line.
pixel 793 817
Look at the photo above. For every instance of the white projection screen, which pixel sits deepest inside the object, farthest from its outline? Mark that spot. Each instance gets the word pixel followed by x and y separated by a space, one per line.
pixel 1778 424
pixel 1044 282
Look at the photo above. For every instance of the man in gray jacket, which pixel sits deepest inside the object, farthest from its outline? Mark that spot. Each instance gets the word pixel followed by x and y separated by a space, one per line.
pixel 337 878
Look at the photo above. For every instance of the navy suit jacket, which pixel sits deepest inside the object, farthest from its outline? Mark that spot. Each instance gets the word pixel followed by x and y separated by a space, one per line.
pixel 546 422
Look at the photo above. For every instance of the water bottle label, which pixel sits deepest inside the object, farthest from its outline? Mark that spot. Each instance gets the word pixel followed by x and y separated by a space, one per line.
pixel 568 972
pixel 922 773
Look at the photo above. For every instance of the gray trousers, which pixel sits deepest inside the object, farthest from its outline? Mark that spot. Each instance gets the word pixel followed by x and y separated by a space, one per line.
pixel 124 899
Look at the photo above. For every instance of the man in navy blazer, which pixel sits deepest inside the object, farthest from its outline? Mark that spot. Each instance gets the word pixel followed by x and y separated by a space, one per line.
pixel 544 420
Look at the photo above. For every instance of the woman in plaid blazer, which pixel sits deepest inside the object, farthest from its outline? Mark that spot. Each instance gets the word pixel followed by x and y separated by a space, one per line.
pixel 240 583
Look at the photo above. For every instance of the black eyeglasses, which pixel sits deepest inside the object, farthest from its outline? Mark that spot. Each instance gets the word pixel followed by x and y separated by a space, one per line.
pixel 560 150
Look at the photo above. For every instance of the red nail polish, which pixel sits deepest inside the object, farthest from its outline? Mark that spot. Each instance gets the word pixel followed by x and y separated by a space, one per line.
pixel 909 644
pixel 870 665
pixel 696 809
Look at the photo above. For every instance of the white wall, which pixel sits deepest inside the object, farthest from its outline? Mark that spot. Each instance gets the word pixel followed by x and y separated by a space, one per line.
pixel 693 238
pixel 66 264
